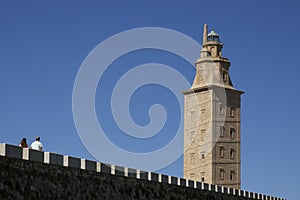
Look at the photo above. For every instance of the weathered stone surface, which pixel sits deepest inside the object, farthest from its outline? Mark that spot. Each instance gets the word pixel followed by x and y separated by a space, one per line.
pixel 132 173
pixel 34 155
pixel 88 165
pixel 53 158
pixel 10 151
pixel 164 178
pixel 120 171
pixel 70 161
pixel 23 179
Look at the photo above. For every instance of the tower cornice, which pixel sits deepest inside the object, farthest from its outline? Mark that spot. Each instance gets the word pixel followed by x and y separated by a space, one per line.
pixel 212 59
pixel 210 87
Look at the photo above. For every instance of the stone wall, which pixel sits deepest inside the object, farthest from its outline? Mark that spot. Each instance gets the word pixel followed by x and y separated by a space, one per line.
pixel 30 174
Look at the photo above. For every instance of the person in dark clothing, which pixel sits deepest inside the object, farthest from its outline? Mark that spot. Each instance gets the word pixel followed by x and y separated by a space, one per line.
pixel 23 143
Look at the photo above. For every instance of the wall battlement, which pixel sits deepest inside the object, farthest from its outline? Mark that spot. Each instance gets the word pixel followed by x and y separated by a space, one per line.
pixel 123 182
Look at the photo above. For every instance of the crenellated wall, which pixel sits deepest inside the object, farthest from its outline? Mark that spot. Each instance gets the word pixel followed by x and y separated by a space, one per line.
pixel 30 174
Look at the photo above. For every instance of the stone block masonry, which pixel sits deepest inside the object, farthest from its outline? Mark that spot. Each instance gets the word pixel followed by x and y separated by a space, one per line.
pixel 30 175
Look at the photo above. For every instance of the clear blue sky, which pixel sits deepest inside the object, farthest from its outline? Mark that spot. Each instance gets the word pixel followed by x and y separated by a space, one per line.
pixel 43 44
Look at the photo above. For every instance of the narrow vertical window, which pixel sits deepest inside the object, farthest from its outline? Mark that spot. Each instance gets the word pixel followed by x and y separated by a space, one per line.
pixel 203 134
pixel 192 135
pixel 222 109
pixel 222 150
pixel 202 156
pixel 222 174
pixel 202 176
pixel 203 114
pixel 222 129
pixel 232 133
pixel 193 116
pixel 232 112
pixel 224 76
pixel 232 175
pixel 192 155
pixel 201 71
pixel 232 153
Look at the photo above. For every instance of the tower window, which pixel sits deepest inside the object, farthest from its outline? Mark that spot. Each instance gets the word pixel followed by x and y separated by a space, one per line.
pixel 224 76
pixel 232 133
pixel 222 174
pixel 194 116
pixel 232 175
pixel 232 153
pixel 202 156
pixel 222 110
pixel 232 112
pixel 192 155
pixel 203 131
pixel 202 176
pixel 192 176
pixel 203 114
pixel 192 135
pixel 222 130
pixel 222 150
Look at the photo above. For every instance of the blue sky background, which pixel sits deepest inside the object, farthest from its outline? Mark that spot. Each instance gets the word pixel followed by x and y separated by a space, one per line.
pixel 43 43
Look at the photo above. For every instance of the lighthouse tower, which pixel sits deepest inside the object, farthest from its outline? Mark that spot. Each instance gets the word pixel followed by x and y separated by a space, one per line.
pixel 212 119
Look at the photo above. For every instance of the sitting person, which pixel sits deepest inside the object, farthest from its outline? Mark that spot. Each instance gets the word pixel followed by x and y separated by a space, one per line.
pixel 23 143
pixel 37 145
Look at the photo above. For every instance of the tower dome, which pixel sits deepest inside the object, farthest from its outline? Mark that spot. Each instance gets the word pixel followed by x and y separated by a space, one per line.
pixel 213 36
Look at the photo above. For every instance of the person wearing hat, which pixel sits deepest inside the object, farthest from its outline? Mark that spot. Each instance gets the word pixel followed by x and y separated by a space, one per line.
pixel 37 145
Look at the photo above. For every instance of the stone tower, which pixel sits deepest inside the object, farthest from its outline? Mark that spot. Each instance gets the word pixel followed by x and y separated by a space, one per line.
pixel 212 119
